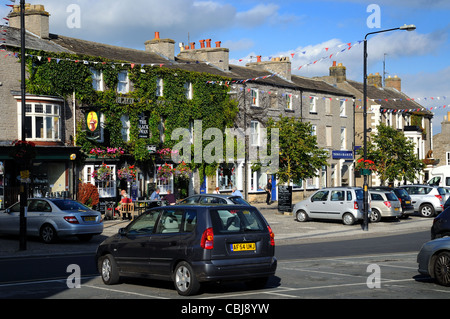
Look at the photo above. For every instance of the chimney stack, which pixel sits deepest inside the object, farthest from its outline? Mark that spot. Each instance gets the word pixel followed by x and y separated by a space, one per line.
pixel 164 47
pixel 339 72
pixel 218 56
pixel 375 80
pixel 394 82
pixel 36 19
pixel 280 66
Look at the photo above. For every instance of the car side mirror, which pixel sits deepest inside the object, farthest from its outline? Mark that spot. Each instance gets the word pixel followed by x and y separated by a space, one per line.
pixel 122 232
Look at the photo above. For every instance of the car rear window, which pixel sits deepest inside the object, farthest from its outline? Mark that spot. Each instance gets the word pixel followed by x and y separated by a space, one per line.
pixel 238 200
pixel 441 191
pixel 359 194
pixel 65 204
pixel 231 220
pixel 401 193
pixel 391 196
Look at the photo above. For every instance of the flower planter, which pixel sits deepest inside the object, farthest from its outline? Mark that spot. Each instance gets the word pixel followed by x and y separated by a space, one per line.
pixel 365 171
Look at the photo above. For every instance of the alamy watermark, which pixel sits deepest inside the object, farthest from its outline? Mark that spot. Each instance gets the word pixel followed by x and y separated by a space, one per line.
pixel 73 21
pixel 235 146
pixel 374 279
pixel 374 19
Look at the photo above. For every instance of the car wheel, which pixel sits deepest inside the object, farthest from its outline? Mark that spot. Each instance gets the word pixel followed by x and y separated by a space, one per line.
pixel 301 216
pixel 375 217
pixel 108 270
pixel 184 279
pixel 442 269
pixel 348 219
pixel 426 210
pixel 47 234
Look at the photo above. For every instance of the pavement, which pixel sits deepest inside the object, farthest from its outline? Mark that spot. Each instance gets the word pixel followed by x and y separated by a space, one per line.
pixel 287 231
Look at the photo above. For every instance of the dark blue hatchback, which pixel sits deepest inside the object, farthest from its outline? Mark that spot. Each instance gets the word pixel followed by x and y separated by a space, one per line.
pixel 190 245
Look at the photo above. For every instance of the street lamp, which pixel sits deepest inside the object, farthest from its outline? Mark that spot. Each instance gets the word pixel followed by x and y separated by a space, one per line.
pixel 405 27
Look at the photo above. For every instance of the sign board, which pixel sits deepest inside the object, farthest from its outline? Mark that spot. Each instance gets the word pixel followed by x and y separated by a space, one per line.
pixel 284 198
pixel 143 126
pixel 342 154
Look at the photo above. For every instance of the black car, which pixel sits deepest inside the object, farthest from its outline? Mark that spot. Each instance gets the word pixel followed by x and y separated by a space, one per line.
pixel 447 203
pixel 214 199
pixel 190 245
pixel 403 196
pixel 441 225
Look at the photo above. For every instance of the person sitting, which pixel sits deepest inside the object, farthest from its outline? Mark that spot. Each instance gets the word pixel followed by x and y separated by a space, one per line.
pixel 170 197
pixel 155 195
pixel 236 192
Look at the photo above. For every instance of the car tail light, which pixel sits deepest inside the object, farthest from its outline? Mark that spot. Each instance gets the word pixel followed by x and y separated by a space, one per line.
pixel 388 204
pixel 439 197
pixel 207 241
pixel 71 219
pixel 272 236
pixel 355 205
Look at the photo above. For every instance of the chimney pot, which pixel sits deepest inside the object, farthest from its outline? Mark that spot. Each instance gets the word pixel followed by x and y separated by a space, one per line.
pixel 208 43
pixel 218 44
pixel 202 44
pixel 258 58
pixel 334 63
pixel 192 45
pixel 156 35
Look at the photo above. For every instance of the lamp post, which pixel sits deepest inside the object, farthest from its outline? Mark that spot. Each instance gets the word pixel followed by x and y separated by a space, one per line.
pixel 405 27
pixel 23 186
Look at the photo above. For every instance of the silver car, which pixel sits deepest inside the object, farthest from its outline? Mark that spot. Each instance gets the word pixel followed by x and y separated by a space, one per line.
pixel 344 203
pixel 50 218
pixel 434 260
pixel 428 200
pixel 384 204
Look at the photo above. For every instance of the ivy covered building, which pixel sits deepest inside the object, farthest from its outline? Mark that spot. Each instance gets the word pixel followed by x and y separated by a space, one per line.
pixel 119 107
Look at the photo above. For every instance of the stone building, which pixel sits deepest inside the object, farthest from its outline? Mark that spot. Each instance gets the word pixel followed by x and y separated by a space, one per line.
pixel 387 105
pixel 441 143
pixel 263 90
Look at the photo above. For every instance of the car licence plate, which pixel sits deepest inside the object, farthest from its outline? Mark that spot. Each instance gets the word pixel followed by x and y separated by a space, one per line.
pixel 408 202
pixel 243 247
pixel 89 218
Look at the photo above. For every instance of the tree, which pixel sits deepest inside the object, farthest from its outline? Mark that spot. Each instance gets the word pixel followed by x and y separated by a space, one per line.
pixel 300 157
pixel 393 155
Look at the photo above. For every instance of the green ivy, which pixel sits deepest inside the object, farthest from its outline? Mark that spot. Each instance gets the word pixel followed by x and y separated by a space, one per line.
pixel 210 102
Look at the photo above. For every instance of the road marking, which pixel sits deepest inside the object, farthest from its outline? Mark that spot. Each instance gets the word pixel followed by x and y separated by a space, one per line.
pixel 124 292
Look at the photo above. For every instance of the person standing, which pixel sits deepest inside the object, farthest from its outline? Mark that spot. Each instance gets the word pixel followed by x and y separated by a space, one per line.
pixel 268 190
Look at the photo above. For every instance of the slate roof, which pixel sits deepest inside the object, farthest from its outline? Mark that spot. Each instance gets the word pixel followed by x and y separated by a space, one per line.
pixel 59 43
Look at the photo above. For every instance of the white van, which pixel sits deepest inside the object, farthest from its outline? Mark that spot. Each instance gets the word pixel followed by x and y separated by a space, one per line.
pixel 440 176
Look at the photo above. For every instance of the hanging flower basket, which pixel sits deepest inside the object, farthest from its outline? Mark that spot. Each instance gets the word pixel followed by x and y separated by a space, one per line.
pixel 109 152
pixel 23 151
pixel 127 173
pixel 165 172
pixel 104 173
pixel 366 167
pixel 182 171
pixel 166 153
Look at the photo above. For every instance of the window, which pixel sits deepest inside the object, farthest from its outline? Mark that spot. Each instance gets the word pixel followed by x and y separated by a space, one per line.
pixel 258 180
pixel 255 97
pixel 273 101
pixel 312 104
pixel 124 84
pixel 328 132
pixel 320 196
pixel 288 101
pixel 314 130
pixel 169 222
pixel 226 176
pixel 125 119
pixel 254 133
pixel 145 224
pixel 448 158
pixel 337 195
pixel 236 221
pixel 188 91
pixel 106 188
pixel 159 87
pixel 342 108
pixel 328 106
pixel 42 121
pixel 343 138
pixel 164 184
pixel 97 80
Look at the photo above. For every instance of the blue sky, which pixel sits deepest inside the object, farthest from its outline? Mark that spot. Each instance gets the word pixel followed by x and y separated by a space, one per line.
pixel 306 31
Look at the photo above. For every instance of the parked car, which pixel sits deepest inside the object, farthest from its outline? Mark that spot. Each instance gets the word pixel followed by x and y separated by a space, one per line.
pixel 441 225
pixel 427 200
pixel 344 203
pixel 50 218
pixel 434 260
pixel 447 204
pixel 384 204
pixel 208 199
pixel 190 245
pixel 403 197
